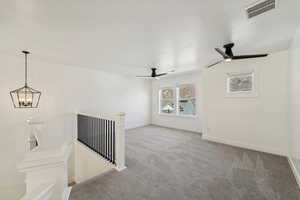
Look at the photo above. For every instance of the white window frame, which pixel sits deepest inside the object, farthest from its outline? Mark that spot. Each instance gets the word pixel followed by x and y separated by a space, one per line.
pixel 174 99
pixel 176 89
pixel 178 99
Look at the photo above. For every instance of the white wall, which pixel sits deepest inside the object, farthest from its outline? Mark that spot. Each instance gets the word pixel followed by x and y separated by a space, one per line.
pixel 178 122
pixel 66 90
pixel 258 123
pixel 88 164
pixel 294 100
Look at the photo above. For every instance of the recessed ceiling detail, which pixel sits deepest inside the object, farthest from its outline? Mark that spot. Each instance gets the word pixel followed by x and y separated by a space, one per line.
pixel 260 7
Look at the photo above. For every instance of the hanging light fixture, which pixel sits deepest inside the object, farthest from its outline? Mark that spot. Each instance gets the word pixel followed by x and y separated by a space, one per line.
pixel 25 97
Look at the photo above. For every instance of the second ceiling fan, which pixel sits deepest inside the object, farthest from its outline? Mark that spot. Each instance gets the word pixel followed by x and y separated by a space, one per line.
pixel 154 74
pixel 228 55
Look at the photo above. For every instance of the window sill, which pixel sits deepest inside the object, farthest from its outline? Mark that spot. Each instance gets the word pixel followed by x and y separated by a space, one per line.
pixel 180 116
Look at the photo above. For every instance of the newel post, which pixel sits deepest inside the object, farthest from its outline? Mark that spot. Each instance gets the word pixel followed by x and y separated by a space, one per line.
pixel 120 141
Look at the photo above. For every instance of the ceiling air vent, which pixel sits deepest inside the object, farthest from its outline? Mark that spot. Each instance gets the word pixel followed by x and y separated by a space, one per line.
pixel 260 7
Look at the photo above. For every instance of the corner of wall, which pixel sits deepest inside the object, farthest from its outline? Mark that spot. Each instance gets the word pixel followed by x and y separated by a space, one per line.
pixel 295 171
pixel 293 106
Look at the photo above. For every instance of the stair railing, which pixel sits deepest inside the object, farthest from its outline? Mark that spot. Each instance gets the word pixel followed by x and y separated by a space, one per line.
pixel 105 136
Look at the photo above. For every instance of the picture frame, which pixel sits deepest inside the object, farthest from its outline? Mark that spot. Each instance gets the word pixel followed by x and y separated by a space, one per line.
pixel 241 84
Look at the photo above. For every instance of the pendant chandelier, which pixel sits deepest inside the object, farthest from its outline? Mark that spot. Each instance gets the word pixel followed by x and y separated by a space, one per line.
pixel 25 97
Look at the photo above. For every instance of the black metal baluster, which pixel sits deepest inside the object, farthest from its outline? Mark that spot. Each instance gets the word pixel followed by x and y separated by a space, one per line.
pixel 111 127
pixel 114 135
pixel 110 143
pixel 97 135
pixel 84 123
pixel 106 137
pixel 101 147
pixel 80 124
pixel 109 132
pixel 78 127
pixel 88 132
pixel 94 135
pixel 85 130
pixel 103 137
pixel 100 126
pixel 104 140
pixel 92 132
pixel 82 128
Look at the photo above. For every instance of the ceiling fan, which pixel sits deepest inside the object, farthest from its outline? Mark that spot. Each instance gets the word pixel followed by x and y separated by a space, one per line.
pixel 154 74
pixel 228 55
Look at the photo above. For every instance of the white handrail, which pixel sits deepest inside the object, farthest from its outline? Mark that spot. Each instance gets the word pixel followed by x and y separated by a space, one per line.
pixel 96 116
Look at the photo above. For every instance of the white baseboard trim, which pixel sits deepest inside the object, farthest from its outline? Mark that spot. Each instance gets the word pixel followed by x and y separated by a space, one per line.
pixel 137 126
pixel 179 129
pixel 119 169
pixel 294 169
pixel 242 145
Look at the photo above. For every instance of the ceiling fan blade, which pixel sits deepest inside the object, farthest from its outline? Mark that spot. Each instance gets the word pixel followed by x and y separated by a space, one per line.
pixel 162 74
pixel 222 53
pixel 211 65
pixel 145 77
pixel 249 56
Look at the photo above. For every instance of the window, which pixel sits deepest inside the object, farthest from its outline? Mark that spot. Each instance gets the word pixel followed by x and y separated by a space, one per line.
pixel 179 101
pixel 187 100
pixel 167 101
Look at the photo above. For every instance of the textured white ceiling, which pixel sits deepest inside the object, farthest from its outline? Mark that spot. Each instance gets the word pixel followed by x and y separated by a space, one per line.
pixel 129 36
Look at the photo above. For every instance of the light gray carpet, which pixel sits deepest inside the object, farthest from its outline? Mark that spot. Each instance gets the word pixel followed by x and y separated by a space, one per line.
pixel 167 164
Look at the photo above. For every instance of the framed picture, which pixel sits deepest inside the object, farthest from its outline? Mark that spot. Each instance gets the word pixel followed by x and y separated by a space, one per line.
pixel 241 84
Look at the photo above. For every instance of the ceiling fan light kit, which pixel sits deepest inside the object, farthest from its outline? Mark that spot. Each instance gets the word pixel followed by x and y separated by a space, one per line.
pixel 25 97
pixel 228 60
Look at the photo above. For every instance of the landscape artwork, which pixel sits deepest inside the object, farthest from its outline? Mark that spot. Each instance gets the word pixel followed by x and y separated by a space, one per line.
pixel 242 82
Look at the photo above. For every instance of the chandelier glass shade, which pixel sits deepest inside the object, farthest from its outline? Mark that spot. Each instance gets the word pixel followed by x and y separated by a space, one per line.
pixel 25 97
